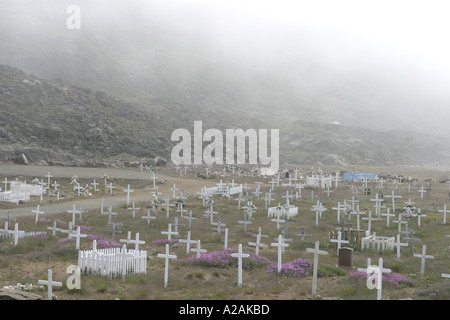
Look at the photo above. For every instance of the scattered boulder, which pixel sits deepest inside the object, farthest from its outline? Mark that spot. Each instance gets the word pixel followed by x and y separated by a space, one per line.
pixel 12 294
pixel 160 162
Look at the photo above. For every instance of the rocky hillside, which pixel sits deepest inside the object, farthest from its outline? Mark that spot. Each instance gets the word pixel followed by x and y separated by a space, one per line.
pixel 56 123
pixel 60 123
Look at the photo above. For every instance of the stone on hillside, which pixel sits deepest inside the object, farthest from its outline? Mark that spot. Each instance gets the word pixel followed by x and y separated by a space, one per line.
pixel 12 294
pixel 161 162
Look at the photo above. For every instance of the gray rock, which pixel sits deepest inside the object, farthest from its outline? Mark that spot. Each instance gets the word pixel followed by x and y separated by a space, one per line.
pixel 12 294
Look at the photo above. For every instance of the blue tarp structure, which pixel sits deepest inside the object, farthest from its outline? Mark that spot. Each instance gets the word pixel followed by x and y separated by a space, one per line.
pixel 358 176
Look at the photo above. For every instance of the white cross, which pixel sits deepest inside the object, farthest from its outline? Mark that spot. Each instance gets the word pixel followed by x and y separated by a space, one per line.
pixel 400 221
pixel 445 211
pixel 54 228
pixel 328 191
pixel 37 212
pixel 421 190
pixel 154 180
pixel 280 244
pixel 419 217
pixel 169 232
pixel 190 218
pixel 199 249
pixel 16 232
pixel 303 235
pixel 379 276
pixel 48 178
pixel 174 193
pixel 128 191
pixel 370 219
pixel 423 256
pixel 393 196
pixel 74 211
pixel 240 255
pixel 95 185
pixel 56 185
pixel 245 223
pixel 257 244
pixel 316 252
pixel 134 209
pixel 188 242
pixel 166 257
pixel 136 242
pixel 339 207
pixel 78 188
pixel 398 244
pixel 377 205
pixel 148 217
pixel 388 215
pixel 50 284
pixel 111 187
pixel 339 240
pixel 78 236
pixel 6 183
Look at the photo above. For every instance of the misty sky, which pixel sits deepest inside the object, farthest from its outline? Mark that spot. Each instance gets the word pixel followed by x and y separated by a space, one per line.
pixel 376 54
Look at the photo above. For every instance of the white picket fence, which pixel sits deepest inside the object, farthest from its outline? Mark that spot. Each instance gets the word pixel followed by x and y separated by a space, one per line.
pixel 14 197
pixel 275 211
pixel 109 262
pixel 33 189
pixel 6 235
pixel 382 243
pixel 224 191
pixel 318 182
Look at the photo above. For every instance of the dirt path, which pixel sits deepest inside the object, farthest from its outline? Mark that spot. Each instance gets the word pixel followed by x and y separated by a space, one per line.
pixel 189 186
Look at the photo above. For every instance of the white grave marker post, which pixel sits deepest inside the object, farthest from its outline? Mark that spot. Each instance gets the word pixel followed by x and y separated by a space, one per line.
pixel 74 211
pixel 50 284
pixel 111 187
pixel 240 255
pixel 398 244
pixel 77 235
pixel 445 211
pixel 419 216
pixel 128 191
pixel 136 242
pixel 95 184
pixel 423 256
pixel 134 209
pixel 48 178
pixel 199 249
pixel 280 244
pixel 188 242
pixel 422 191
pixel 225 240
pixel 154 180
pixel 169 232
pixel 339 240
pixel 388 215
pixel 370 219
pixel 393 196
pixel 148 217
pixel 377 276
pixel 316 252
pixel 257 244
pixel 16 232
pixel 166 257
pixel 37 212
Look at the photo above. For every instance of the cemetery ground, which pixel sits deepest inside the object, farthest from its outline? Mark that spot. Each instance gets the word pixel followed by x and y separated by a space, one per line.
pixel 216 278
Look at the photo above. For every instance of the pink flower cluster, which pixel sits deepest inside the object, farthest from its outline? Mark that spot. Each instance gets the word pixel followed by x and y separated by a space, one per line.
pixel 296 268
